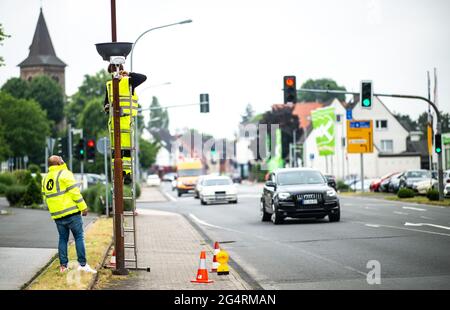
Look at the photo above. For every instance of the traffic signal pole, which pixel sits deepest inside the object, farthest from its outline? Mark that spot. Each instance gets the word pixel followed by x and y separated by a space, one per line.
pixel 438 126
pixel 119 243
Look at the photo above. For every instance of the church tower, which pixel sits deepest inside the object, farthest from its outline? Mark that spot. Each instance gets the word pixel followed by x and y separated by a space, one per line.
pixel 42 58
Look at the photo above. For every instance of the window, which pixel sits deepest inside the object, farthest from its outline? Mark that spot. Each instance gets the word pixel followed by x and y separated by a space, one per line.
pixel 381 124
pixel 387 146
pixel 338 118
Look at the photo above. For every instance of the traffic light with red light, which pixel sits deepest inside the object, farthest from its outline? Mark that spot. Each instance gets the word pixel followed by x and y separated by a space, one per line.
pixel 90 149
pixel 290 89
pixel 80 150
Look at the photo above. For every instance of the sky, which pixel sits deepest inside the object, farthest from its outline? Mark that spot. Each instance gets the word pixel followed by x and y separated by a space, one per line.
pixel 238 51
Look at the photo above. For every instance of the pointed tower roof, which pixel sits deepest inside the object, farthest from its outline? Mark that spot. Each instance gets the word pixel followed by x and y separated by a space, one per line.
pixel 42 52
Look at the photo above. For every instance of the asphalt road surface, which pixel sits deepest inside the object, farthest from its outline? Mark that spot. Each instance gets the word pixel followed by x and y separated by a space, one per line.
pixel 408 244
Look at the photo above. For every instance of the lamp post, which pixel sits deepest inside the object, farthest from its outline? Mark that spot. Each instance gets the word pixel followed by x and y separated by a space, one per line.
pixel 136 137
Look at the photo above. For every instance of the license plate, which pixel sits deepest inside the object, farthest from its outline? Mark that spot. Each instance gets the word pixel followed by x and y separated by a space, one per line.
pixel 220 197
pixel 310 201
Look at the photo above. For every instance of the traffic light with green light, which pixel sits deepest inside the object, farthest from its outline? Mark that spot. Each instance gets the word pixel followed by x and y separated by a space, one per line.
pixel 80 150
pixel 438 143
pixel 366 94
pixel 290 89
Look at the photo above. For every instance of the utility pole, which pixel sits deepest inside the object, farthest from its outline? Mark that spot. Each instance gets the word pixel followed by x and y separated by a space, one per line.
pixel 118 167
pixel 69 146
pixel 294 138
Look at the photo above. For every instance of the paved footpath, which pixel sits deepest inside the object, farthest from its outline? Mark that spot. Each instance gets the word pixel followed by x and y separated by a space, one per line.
pixel 171 246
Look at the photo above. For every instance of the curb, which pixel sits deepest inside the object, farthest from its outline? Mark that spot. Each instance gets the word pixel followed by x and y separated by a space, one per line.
pixel 27 284
pixel 246 277
pixel 397 201
pixel 102 263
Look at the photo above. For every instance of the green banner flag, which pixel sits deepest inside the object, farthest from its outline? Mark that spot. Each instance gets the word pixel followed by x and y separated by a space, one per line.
pixel 323 123
pixel 276 160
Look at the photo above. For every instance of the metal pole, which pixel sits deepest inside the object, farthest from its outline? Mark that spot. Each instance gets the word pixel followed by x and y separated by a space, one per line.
pixel 294 148
pixel 105 149
pixel 362 172
pixel 118 168
pixel 69 146
pixel 46 159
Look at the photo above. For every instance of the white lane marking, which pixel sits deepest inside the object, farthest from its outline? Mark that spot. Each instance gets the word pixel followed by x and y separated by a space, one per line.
pixel 426 224
pixel 401 213
pixel 169 196
pixel 426 218
pixel 415 209
pixel 372 225
pixel 201 222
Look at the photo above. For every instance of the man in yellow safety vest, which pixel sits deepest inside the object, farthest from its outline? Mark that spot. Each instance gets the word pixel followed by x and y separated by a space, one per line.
pixel 66 205
pixel 128 102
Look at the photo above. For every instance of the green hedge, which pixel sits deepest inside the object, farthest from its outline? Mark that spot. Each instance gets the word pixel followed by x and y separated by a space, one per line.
pixel 405 193
pixel 33 168
pixel 3 188
pixel 7 178
pixel 94 197
pixel 433 195
pixel 342 187
pixel 14 195
pixel 22 177
pixel 33 194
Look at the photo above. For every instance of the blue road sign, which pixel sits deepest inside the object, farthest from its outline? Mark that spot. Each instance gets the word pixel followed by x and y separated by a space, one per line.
pixel 349 114
pixel 357 124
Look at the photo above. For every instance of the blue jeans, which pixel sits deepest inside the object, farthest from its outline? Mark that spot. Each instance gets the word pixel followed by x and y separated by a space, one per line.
pixel 75 225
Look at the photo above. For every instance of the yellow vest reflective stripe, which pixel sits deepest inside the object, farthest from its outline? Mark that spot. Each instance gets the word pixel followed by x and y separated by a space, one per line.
pixel 61 193
pixel 125 99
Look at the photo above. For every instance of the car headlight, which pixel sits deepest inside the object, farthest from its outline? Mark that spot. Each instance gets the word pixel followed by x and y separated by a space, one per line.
pixel 284 196
pixel 331 193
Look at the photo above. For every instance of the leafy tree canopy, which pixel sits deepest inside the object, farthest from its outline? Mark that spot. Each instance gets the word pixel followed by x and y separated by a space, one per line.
pixel 148 152
pixel 159 118
pixel 3 36
pixel 320 84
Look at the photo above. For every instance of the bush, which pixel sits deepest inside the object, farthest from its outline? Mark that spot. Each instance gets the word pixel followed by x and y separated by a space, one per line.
pixel 405 193
pixel 433 194
pixel 342 187
pixel 14 194
pixel 23 177
pixel 38 178
pixel 7 178
pixel 32 195
pixel 257 173
pixel 3 188
pixel 33 168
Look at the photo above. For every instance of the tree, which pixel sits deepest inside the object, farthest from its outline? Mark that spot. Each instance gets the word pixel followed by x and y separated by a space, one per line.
pixel 93 87
pixel 406 121
pixel 25 127
pixel 148 152
pixel 248 114
pixel 17 87
pixel 3 36
pixel 48 93
pixel 288 123
pixel 93 120
pixel 159 118
pixel 324 84
pixel 4 148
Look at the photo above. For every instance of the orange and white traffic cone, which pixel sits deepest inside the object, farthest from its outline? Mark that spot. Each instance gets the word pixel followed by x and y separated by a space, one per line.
pixel 215 264
pixel 202 273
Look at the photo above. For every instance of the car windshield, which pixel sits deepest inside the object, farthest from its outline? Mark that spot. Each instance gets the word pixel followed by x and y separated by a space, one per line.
pixel 300 177
pixel 215 182
pixel 418 174
pixel 154 176
pixel 189 172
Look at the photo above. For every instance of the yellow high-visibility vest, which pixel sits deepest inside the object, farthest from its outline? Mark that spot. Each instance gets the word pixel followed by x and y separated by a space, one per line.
pixel 61 192
pixel 125 99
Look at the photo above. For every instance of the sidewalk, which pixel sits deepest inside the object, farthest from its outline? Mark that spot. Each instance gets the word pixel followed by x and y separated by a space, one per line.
pixel 170 246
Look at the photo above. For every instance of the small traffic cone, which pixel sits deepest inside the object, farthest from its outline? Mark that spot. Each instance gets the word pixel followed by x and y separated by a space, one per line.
pixel 202 273
pixel 215 264
pixel 112 262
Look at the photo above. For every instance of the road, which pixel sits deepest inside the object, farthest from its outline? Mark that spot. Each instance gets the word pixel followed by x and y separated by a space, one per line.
pixel 28 239
pixel 410 242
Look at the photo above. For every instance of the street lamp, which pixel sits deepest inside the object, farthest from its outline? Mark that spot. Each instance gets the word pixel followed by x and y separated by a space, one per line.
pixel 136 138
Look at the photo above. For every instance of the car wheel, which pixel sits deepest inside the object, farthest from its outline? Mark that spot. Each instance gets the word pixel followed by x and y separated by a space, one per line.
pixel 234 201
pixel 335 217
pixel 276 217
pixel 179 193
pixel 196 196
pixel 265 217
pixel 202 202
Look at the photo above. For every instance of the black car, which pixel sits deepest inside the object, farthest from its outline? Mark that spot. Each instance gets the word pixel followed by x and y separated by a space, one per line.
pixel 298 193
pixel 331 180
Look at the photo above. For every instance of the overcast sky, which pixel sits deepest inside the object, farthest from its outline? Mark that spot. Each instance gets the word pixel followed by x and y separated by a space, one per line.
pixel 239 50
